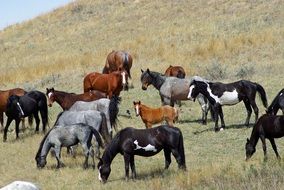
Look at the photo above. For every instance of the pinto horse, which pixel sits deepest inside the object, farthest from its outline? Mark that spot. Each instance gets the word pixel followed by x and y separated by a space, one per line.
pixel 111 84
pixel 66 100
pixel 175 71
pixel 118 60
pixel 267 127
pixel 4 95
pixel 220 94
pixel 152 116
pixel 277 103
pixel 28 105
pixel 143 142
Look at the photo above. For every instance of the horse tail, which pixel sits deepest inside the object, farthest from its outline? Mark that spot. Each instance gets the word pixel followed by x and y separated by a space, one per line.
pixel 97 135
pixel 41 144
pixel 104 130
pixel 262 93
pixel 30 119
pixel 181 162
pixel 126 64
pixel 113 110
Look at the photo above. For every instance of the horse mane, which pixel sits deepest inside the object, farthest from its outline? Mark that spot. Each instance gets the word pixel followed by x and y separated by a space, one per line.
pixel 41 144
pixel 111 149
pixel 113 110
pixel 274 101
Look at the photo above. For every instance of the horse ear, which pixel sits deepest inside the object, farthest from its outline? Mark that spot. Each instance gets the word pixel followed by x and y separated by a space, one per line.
pixel 139 102
pixel 142 71
pixel 148 71
pixel 52 89
pixel 133 102
pixel 247 140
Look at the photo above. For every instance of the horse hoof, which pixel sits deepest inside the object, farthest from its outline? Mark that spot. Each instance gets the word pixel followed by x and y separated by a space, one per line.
pixel 221 129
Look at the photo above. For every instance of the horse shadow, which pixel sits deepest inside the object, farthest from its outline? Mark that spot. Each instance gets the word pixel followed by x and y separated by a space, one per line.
pixel 233 126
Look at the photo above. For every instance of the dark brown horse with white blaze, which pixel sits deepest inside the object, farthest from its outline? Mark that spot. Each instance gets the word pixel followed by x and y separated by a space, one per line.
pixel 175 71
pixel 143 142
pixel 111 84
pixel 4 95
pixel 118 60
pixel 267 127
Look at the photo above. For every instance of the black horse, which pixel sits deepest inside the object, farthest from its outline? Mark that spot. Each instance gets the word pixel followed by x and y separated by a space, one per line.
pixel 268 126
pixel 27 105
pixel 220 94
pixel 277 103
pixel 143 142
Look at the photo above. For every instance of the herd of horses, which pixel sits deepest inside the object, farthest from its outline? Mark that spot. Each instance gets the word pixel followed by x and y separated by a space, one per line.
pixel 93 114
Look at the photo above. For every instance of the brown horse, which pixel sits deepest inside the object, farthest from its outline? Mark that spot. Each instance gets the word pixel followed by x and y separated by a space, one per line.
pixel 175 71
pixel 66 100
pixel 152 116
pixel 118 60
pixel 111 84
pixel 4 95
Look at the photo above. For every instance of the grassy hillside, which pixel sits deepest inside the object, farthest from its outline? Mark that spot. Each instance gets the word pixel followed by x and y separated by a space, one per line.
pixel 220 40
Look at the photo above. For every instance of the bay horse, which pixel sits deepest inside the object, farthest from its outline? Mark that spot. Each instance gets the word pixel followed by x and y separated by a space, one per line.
pixel 65 136
pixel 30 104
pixel 277 103
pixel 267 127
pixel 220 94
pixel 142 142
pixel 172 89
pixel 152 116
pixel 66 100
pixel 118 60
pixel 4 95
pixel 175 71
pixel 111 84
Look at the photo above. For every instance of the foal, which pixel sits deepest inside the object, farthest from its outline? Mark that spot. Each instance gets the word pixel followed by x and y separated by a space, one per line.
pixel 152 116
pixel 267 126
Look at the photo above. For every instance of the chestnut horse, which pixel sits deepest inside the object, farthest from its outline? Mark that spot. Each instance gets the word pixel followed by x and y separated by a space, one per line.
pixel 152 116
pixel 4 95
pixel 66 100
pixel 175 71
pixel 111 84
pixel 118 60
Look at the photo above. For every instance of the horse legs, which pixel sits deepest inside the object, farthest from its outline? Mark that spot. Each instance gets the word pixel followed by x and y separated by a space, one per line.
pixel 167 154
pixel 44 118
pixel 222 118
pixel 148 125
pixel 132 165
pixel 216 116
pixel 262 138
pixel 37 121
pixel 127 158
pixel 86 150
pixel 18 120
pixel 179 159
pixel 9 120
pixel 2 121
pixel 57 149
pixel 255 109
pixel 249 110
pixel 274 148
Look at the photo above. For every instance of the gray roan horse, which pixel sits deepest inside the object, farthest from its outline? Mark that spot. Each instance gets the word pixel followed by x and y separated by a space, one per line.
pixel 65 136
pixel 172 89
pixel 108 106
pixel 95 119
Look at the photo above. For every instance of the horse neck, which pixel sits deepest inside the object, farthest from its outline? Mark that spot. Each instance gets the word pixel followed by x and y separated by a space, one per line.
pixel 44 147
pixel 112 150
pixel 158 80
pixel 203 89
pixel 254 137
pixel 144 109
pixel 59 97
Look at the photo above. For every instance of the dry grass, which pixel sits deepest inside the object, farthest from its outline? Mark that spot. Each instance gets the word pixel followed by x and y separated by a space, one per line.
pixel 57 49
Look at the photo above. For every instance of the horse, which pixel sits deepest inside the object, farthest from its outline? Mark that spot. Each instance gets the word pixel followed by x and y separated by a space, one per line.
pixel 112 83
pixel 108 106
pixel 143 142
pixel 277 103
pixel 118 60
pixel 172 89
pixel 175 71
pixel 152 116
pixel 4 95
pixel 20 185
pixel 219 94
pixel 66 100
pixel 27 105
pixel 267 127
pixel 95 119
pixel 65 136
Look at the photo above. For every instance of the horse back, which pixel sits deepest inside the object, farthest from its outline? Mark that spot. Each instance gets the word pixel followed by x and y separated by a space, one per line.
pixel 271 126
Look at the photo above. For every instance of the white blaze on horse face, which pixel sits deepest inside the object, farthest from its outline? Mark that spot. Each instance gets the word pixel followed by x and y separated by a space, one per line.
pixel 49 94
pixel 137 109
pixel 190 92
pixel 123 78
pixel 22 112
pixel 146 148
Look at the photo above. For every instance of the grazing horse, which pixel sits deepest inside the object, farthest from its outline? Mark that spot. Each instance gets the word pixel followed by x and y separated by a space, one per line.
pixel 66 100
pixel 277 103
pixel 220 94
pixel 267 127
pixel 4 95
pixel 29 104
pixel 112 83
pixel 152 116
pixel 65 136
pixel 175 71
pixel 108 106
pixel 143 142
pixel 20 185
pixel 172 89
pixel 118 60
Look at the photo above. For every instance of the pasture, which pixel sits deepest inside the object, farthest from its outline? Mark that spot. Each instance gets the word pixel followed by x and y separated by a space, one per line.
pixel 220 41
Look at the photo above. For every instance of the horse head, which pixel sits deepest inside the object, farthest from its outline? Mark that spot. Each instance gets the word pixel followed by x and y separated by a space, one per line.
pixel 137 107
pixel 13 106
pixel 40 161
pixel 104 171
pixel 193 91
pixel 250 150
pixel 50 96
pixel 146 79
